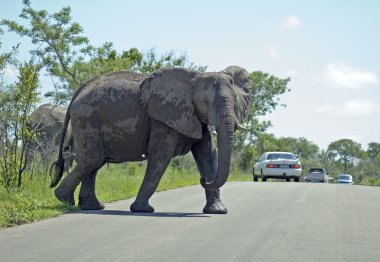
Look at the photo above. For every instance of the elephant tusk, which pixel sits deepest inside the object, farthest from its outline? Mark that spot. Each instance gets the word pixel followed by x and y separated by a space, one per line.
pixel 241 127
pixel 212 130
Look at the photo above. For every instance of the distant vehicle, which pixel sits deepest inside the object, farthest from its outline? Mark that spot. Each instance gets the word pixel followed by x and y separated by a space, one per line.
pixel 282 165
pixel 345 179
pixel 317 175
pixel 330 179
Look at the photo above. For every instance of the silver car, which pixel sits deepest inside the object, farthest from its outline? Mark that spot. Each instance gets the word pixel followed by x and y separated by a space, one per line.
pixel 345 179
pixel 316 175
pixel 282 165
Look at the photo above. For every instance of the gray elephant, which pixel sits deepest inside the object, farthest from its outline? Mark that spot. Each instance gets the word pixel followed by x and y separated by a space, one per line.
pixel 124 116
pixel 47 122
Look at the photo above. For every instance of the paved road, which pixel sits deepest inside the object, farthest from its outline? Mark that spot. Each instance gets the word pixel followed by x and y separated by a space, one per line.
pixel 266 222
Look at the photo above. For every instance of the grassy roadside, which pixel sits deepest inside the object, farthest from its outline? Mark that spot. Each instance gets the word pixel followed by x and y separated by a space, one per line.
pixel 36 201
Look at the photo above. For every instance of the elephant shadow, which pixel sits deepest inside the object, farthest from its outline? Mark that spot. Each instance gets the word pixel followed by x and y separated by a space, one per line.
pixel 129 213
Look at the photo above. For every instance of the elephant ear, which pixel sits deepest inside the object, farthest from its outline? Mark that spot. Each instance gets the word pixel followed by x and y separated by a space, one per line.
pixel 167 97
pixel 242 86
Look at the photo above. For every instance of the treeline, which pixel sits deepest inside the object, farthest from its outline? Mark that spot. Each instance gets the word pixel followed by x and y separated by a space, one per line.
pixel 61 49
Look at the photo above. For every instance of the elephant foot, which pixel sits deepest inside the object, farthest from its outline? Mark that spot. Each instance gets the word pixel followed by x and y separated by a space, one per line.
pixel 64 197
pixel 143 207
pixel 213 203
pixel 216 207
pixel 90 203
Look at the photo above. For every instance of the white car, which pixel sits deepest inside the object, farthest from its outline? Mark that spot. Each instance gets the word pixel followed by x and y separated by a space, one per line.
pixel 344 179
pixel 283 165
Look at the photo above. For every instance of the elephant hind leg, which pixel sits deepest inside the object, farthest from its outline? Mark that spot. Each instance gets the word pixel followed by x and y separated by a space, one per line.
pixel 89 156
pixel 87 196
pixel 65 191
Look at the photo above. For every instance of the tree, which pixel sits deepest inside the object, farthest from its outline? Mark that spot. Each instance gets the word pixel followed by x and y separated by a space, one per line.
pixel 105 59
pixel 17 101
pixel 59 43
pixel 245 155
pixel 6 58
pixel 299 146
pixel 345 151
pixel 373 150
pixel 265 92
pixel 68 56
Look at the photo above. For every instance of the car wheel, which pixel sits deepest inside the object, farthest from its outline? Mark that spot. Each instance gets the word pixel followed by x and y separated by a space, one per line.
pixel 287 179
pixel 296 179
pixel 263 178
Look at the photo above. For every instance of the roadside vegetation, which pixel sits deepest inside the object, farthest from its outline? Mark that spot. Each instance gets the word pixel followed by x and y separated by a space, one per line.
pixel 35 200
pixel 63 51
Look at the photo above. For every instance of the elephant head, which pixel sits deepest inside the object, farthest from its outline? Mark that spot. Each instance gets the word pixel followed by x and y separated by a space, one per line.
pixel 186 99
pixel 47 122
pixel 242 86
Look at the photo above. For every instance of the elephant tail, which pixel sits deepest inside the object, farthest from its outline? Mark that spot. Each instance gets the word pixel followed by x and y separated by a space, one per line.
pixel 57 168
pixel 59 165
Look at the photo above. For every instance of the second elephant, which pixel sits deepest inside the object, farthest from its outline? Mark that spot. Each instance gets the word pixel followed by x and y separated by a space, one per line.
pixel 47 122
pixel 124 116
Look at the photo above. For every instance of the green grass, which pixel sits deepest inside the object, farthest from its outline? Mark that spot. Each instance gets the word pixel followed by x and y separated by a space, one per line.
pixel 370 181
pixel 36 201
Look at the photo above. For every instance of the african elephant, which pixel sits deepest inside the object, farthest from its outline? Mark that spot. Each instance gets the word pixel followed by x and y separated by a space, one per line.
pixel 47 122
pixel 125 116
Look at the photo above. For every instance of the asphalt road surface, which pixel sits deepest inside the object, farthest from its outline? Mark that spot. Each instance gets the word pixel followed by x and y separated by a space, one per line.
pixel 265 222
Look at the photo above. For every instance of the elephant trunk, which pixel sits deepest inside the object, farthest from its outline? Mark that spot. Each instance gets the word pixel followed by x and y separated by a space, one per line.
pixel 224 129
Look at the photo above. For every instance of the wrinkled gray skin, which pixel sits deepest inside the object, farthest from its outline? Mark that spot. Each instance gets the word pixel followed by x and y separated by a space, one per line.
pixel 48 122
pixel 124 116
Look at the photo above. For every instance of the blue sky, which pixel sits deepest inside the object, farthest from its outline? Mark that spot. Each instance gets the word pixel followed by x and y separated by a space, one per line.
pixel 330 49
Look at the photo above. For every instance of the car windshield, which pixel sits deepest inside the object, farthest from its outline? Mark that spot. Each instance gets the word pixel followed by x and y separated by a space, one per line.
pixel 316 170
pixel 281 156
pixel 345 177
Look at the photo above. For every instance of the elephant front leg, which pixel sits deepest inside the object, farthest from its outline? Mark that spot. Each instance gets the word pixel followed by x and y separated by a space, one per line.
pixel 162 145
pixel 213 203
pixel 153 175
pixel 206 157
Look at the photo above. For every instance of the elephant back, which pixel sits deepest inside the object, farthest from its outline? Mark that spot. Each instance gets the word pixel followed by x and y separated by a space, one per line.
pixel 109 85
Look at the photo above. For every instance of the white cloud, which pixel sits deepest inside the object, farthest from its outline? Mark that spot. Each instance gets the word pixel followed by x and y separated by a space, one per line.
pixel 293 73
pixel 344 75
pixel 273 52
pixel 291 22
pixel 10 72
pixel 326 109
pixel 360 107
